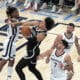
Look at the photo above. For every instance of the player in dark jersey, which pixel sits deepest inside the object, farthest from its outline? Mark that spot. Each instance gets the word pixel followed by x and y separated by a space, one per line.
pixel 39 32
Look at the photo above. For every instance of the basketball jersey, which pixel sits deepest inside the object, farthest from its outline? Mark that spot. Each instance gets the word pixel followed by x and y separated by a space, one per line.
pixel 33 44
pixel 69 40
pixel 10 43
pixel 13 32
pixel 56 72
pixel 32 41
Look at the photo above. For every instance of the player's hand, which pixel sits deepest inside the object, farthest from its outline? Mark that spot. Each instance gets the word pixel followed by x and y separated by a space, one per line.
pixel 9 22
pixel 12 22
pixel 61 65
pixel 70 75
pixel 47 60
pixel 78 59
pixel 40 57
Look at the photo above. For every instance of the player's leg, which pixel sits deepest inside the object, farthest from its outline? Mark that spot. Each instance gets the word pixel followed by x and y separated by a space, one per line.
pixel 32 68
pixel 4 55
pixel 11 55
pixel 2 63
pixel 10 69
pixel 19 68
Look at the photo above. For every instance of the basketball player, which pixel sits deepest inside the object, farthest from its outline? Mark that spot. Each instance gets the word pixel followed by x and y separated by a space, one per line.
pixel 39 32
pixel 60 62
pixel 70 37
pixel 10 43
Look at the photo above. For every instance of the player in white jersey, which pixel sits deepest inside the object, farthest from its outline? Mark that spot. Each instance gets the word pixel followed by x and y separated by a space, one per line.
pixel 70 37
pixel 10 43
pixel 60 62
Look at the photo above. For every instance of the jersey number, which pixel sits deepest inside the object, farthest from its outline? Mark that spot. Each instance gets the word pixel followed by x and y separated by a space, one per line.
pixel 55 64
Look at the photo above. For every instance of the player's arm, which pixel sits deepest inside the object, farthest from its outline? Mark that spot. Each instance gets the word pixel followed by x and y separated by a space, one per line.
pixel 11 21
pixel 45 54
pixel 57 40
pixel 30 23
pixel 69 65
pixel 77 45
pixel 41 37
pixel 26 23
pixel 49 51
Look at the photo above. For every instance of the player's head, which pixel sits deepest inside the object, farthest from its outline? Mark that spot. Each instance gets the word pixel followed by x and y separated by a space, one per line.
pixel 12 12
pixel 63 44
pixel 70 28
pixel 48 23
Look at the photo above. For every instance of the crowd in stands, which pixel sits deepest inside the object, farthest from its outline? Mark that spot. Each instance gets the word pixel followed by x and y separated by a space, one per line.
pixel 42 4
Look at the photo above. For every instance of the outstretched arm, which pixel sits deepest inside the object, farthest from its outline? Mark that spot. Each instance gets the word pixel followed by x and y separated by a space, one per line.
pixel 49 51
pixel 57 40
pixel 26 23
pixel 77 45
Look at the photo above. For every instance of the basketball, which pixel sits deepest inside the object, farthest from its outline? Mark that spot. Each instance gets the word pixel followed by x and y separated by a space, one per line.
pixel 25 31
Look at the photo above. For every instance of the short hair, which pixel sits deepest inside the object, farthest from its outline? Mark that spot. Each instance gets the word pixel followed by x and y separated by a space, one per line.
pixel 10 10
pixel 49 23
pixel 65 43
pixel 71 24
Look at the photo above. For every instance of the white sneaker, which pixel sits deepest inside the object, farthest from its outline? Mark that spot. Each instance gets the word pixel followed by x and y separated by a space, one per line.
pixel 35 6
pixel 78 15
pixel 25 4
pixel 28 5
pixel 14 2
pixel 59 11
pixel 74 8
pixel 53 8
pixel 9 1
pixel 44 6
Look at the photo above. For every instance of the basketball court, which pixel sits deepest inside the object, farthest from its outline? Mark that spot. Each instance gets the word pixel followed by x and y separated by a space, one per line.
pixel 61 21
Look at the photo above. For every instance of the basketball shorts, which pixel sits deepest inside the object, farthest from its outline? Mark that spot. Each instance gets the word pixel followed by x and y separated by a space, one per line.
pixel 9 50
